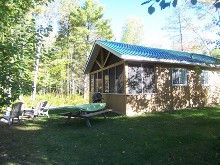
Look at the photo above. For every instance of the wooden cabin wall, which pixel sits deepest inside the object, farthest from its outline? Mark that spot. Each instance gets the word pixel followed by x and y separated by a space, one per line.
pixel 113 101
pixel 166 96
pixel 169 97
pixel 213 92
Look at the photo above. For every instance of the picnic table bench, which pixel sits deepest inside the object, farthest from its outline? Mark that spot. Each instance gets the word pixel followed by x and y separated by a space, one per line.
pixel 86 111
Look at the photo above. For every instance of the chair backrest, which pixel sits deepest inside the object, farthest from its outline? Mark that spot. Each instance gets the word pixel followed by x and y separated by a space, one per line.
pixel 97 97
pixel 43 105
pixel 38 108
pixel 16 109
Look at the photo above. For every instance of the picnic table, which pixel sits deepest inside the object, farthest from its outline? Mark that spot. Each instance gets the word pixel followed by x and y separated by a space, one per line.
pixel 85 111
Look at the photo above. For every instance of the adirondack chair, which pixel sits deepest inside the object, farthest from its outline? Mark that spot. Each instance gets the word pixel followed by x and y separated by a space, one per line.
pixel 45 110
pixel 14 113
pixel 35 112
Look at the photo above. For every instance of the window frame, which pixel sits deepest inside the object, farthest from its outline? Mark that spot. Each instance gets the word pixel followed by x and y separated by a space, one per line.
pixel 141 67
pixel 92 83
pixel 105 81
pixel 206 79
pixel 185 83
pixel 119 79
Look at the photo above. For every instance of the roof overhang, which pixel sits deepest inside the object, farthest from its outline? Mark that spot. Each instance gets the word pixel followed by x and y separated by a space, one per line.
pixel 145 59
pixel 94 53
pixel 97 46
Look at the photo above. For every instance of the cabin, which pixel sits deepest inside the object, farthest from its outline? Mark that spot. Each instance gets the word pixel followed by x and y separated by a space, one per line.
pixel 136 79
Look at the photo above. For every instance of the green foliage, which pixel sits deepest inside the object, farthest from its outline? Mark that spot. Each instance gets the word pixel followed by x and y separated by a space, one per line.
pixel 133 31
pixel 164 4
pixel 78 30
pixel 61 66
pixel 54 100
pixel 216 53
pixel 18 40
pixel 198 70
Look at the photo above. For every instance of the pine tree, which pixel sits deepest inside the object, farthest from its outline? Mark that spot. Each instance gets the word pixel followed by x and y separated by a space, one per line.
pixel 82 27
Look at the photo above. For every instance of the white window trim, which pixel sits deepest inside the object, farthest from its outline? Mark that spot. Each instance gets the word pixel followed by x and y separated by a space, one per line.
pixel 185 78
pixel 207 84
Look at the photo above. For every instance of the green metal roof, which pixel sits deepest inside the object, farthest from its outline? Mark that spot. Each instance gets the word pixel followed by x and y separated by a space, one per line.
pixel 130 52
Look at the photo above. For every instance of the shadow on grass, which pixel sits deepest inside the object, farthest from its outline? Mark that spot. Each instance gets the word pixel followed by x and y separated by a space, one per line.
pixel 177 137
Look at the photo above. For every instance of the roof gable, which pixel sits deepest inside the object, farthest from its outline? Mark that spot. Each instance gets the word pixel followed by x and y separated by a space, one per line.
pixel 130 52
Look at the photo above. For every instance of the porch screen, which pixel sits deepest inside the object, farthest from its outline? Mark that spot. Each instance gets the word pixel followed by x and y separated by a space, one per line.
pixel 106 81
pixel 134 78
pixel 119 79
pixel 141 78
pixel 148 79
pixel 99 82
pixel 95 82
pixel 112 80
pixel 92 83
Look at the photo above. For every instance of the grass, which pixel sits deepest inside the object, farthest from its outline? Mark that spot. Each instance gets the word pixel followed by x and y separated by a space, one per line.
pixel 177 137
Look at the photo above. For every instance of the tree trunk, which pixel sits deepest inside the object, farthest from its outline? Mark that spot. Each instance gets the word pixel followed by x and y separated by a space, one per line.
pixel 36 73
pixel 73 83
pixel 85 81
pixel 180 30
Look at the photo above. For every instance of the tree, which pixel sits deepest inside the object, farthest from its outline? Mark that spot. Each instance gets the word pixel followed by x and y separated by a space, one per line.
pixel 176 25
pixel 44 16
pixel 64 46
pixel 89 25
pixel 17 46
pixel 163 4
pixel 216 53
pixel 195 22
pixel 77 33
pixel 133 31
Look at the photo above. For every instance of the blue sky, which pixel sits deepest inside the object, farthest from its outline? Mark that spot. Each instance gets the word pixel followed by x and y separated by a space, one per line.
pixel 118 11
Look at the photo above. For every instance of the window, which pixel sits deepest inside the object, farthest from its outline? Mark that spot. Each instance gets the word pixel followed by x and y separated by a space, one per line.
pixel 148 79
pixel 99 82
pixel 179 77
pixel 106 81
pixel 95 83
pixel 119 79
pixel 112 80
pixel 141 78
pixel 134 79
pixel 92 83
pixel 204 77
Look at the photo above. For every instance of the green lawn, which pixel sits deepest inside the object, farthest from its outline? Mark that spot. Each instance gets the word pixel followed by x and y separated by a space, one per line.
pixel 177 137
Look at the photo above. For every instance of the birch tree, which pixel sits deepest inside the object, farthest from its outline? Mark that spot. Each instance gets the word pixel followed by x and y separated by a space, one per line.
pixel 17 46
pixel 133 31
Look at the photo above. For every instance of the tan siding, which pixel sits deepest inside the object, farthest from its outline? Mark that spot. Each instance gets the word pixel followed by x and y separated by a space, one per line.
pixel 116 102
pixel 213 94
pixel 197 93
pixel 170 97
pixel 167 97
pixel 140 104
pixel 113 101
pixel 164 87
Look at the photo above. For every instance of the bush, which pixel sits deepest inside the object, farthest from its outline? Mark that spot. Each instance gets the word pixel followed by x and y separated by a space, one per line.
pixel 54 99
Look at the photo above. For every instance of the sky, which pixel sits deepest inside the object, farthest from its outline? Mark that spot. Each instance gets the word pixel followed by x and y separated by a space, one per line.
pixel 118 11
